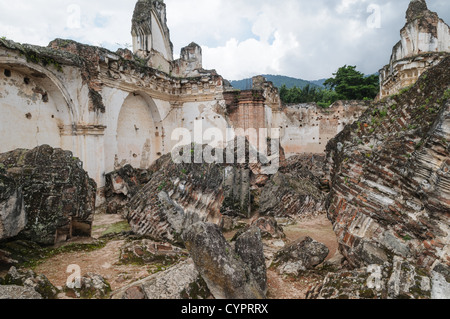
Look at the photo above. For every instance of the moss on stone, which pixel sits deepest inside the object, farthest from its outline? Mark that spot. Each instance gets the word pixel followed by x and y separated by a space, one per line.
pixel 33 255
pixel 196 290
pixel 117 228
pixel 367 293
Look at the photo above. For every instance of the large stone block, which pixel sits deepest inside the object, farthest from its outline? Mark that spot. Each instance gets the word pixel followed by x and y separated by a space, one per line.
pixel 389 174
pixel 181 281
pixel 45 195
pixel 397 280
pixel 226 274
pixel 300 255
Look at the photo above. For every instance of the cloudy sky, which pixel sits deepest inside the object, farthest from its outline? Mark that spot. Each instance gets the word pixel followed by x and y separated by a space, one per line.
pixel 240 38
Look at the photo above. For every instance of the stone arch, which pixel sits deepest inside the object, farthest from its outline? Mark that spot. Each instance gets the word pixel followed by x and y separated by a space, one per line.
pixel 139 132
pixel 35 107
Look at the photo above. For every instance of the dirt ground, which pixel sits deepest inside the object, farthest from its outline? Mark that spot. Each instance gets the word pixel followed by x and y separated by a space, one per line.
pixel 104 261
pixel 318 228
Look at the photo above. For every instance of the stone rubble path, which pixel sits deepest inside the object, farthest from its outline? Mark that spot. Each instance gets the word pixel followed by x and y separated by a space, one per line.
pixel 104 261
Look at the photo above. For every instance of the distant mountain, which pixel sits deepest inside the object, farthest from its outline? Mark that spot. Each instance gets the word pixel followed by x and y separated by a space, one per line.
pixel 319 82
pixel 278 81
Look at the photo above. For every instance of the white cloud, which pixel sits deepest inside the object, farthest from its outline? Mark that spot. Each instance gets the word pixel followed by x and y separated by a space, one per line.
pixel 240 38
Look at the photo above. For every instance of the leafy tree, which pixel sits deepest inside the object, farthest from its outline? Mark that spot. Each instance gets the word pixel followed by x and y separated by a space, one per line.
pixel 308 94
pixel 351 84
pixel 347 84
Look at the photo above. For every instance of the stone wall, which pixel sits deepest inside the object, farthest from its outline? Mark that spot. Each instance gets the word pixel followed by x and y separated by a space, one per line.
pixel 390 178
pixel 93 102
pixel 425 41
pixel 303 128
pixel 307 128
pixel 149 29
pixel 45 196
pixel 111 109
pixel 190 62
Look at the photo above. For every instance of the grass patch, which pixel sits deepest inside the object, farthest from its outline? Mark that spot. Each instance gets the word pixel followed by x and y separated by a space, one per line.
pixel 117 228
pixel 49 252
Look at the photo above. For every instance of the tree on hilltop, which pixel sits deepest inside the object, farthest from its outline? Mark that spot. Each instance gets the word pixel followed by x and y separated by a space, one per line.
pixel 351 84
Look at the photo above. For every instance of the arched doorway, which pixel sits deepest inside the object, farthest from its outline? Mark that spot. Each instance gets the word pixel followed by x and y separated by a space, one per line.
pixel 139 132
pixel 34 110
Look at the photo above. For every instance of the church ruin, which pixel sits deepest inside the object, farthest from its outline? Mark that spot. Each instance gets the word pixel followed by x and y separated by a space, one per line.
pixel 425 41
pixel 116 108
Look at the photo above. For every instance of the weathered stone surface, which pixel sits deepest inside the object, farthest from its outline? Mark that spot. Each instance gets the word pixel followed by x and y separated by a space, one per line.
pixel 135 293
pixel 390 177
pixel 90 286
pixel 194 192
pixel 226 275
pixel 121 186
pixel 30 279
pixel 181 281
pixel 250 248
pixel 147 251
pixel 179 194
pixel 17 292
pixel 295 190
pixel 13 217
pixel 190 62
pixel 425 41
pixel 269 227
pixel 163 218
pixel 441 286
pixel 142 29
pixel 416 8
pixel 303 254
pixel 45 195
pixel 400 280
pixel 18 252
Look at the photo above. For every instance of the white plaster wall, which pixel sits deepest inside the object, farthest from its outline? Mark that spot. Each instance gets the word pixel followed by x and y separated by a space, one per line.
pixel 308 129
pixel 126 112
pixel 113 99
pixel 91 151
pixel 158 42
pixel 294 138
pixel 141 42
pixel 27 121
pixel 416 40
pixel 159 62
pixel 135 133
pixel 444 37
pixel 201 117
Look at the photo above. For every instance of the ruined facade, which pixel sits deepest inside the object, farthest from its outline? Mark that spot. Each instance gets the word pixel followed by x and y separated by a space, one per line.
pixel 116 108
pixel 389 173
pixel 303 128
pixel 425 41
pixel 109 109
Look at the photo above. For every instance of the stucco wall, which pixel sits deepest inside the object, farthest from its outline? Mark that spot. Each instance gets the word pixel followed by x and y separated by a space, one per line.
pixel 307 128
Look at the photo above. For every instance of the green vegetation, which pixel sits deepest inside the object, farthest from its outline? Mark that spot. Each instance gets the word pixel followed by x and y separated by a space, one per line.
pixel 308 94
pixel 347 84
pixel 117 228
pixel 351 84
pixel 404 90
pixel 278 81
pixel 446 95
pixel 38 254
pixel 34 57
